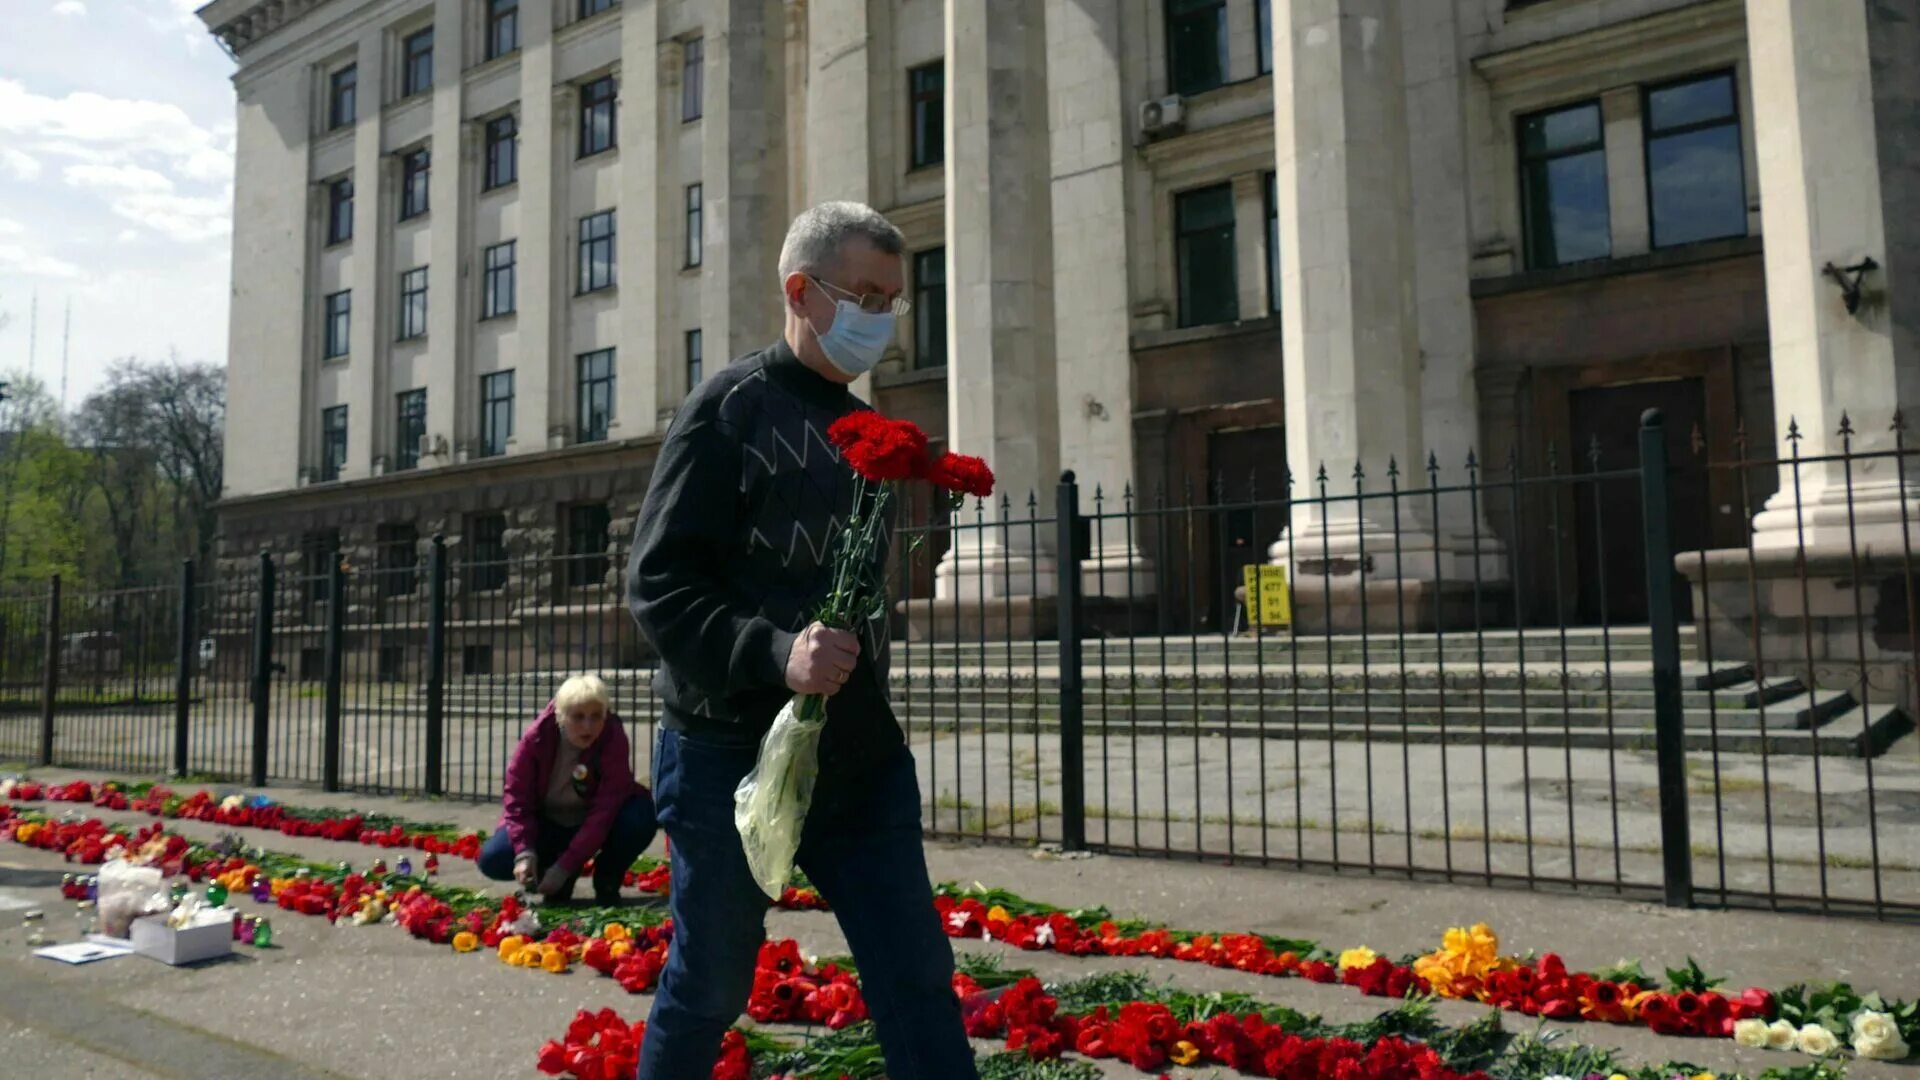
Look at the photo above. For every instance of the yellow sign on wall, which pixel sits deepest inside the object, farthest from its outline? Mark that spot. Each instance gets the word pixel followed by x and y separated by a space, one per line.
pixel 1269 603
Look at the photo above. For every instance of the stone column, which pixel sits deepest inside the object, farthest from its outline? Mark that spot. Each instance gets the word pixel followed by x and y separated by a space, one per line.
pixel 1628 209
pixel 449 311
pixel 838 138
pixel 542 293
pixel 744 162
pixel 1838 162
pixel 1002 396
pixel 1351 328
pixel 641 366
pixel 370 330
pixel 1093 177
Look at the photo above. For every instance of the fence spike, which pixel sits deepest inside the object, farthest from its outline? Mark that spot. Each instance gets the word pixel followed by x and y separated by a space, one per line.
pixel 1393 467
pixel 1699 439
pixel 1899 421
pixel 1846 426
pixel 1793 430
pixel 1553 458
pixel 1593 453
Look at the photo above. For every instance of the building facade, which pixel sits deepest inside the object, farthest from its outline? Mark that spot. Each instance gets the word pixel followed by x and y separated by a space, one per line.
pixel 482 248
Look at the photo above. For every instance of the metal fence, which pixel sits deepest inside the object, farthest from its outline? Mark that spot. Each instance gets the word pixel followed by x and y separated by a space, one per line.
pixel 1561 671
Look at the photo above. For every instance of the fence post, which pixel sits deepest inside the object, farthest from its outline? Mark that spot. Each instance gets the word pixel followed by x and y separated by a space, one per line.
pixel 335 660
pixel 50 672
pixel 183 670
pixel 1073 810
pixel 436 663
pixel 262 670
pixel 1669 715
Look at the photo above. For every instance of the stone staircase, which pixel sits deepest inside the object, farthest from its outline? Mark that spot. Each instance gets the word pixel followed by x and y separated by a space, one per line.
pixel 1543 689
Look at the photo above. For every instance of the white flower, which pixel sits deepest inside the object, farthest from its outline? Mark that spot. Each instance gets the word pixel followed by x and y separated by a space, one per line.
pixel 1875 1035
pixel 1816 1040
pixel 1750 1032
pixel 1044 935
pixel 1780 1035
pixel 232 803
pixel 6 788
pixel 1557 1076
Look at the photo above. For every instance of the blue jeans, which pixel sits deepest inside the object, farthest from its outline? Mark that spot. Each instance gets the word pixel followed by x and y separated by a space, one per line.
pixel 630 834
pixel 861 848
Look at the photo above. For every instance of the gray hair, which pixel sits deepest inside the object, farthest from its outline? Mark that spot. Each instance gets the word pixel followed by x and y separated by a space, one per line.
pixel 816 237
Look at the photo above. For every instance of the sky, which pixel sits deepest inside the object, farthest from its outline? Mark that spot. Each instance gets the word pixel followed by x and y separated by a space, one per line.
pixel 116 184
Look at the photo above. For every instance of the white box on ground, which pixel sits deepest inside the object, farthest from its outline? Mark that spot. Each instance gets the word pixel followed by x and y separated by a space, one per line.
pixel 210 935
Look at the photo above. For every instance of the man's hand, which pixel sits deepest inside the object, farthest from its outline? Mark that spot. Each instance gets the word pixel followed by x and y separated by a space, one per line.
pixel 555 881
pixel 525 870
pixel 821 660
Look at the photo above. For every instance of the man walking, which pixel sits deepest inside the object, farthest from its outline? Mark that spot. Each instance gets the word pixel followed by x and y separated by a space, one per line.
pixel 731 556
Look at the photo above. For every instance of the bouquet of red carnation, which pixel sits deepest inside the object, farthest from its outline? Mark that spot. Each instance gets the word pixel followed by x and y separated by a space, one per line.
pixel 770 805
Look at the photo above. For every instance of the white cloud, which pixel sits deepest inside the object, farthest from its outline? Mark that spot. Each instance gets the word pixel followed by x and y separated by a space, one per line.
pixel 11 228
pixel 94 127
pixel 15 259
pixel 186 218
pixel 70 7
pixel 18 164
pixel 133 178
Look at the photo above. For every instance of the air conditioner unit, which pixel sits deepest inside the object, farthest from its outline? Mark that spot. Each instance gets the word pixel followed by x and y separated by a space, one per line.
pixel 1163 116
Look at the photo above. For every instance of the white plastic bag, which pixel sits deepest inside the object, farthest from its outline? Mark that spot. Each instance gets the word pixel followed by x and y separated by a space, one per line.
pixel 770 805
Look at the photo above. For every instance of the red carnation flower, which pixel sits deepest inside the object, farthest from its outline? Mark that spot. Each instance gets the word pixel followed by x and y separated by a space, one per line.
pixel 880 449
pixel 961 474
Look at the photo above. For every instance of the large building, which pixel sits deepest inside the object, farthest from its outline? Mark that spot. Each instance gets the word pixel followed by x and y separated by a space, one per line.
pixel 1172 245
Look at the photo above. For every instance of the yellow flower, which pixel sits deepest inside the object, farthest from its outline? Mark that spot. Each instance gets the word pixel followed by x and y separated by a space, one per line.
pixel 465 941
pixel 509 946
pixel 998 914
pixel 1703 1076
pixel 1618 1076
pixel 1357 958
pixel 615 932
pixel 1185 1053
pixel 622 949
pixel 556 962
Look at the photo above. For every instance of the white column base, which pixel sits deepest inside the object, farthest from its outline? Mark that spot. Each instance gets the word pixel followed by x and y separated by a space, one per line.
pixel 1354 549
pixel 1117 572
pixel 992 571
pixel 1828 516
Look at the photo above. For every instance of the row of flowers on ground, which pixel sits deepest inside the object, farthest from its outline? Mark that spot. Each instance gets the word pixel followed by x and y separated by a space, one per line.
pixel 1468 965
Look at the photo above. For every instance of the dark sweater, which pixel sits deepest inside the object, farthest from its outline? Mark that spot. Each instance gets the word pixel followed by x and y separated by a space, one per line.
pixel 732 558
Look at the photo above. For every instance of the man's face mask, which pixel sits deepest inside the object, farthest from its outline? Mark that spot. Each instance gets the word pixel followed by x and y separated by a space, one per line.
pixel 858 337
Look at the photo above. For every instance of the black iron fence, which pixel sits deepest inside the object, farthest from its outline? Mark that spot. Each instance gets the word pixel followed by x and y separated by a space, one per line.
pixel 1668 667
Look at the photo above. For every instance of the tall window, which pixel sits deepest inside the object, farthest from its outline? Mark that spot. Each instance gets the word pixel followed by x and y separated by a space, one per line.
pixel 413 303
pixel 409 427
pixel 417 74
pixel 930 307
pixel 487 552
pixel 926 96
pixel 340 210
pixel 594 7
pixel 496 284
pixel 339 319
pixel 596 116
pixel 587 545
pixel 696 362
pixel 596 394
pixel 333 442
pixel 503 27
pixel 596 251
pixel 696 249
pixel 496 413
pixel 1563 186
pixel 318 549
pixel 1273 245
pixel 1263 31
pixel 343 90
pixel 693 79
pixel 503 151
pixel 399 558
pixel 1203 248
pixel 416 170
pixel 1696 175
pixel 1196 45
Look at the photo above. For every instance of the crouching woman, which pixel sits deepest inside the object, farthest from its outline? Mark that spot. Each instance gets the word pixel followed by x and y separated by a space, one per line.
pixel 571 797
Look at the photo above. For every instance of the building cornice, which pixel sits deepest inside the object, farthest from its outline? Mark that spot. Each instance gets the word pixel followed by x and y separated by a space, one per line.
pixel 240 23
pixel 1679 30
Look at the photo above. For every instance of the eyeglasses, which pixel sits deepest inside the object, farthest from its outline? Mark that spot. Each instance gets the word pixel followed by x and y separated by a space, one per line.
pixel 872 303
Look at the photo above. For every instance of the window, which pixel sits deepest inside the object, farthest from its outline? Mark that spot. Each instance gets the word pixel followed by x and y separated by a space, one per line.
pixel 926 94
pixel 417 74
pixel 496 286
pixel 693 79
pixel 338 320
pixel 503 27
pixel 1696 175
pixel 413 303
pixel 399 558
pixel 416 169
pixel 503 151
pixel 696 365
pixel 343 90
pixel 1203 249
pixel 587 545
pixel 696 251
pixel 496 413
pixel 1196 45
pixel 1563 186
pixel 333 442
pixel 1263 31
pixel 596 116
pixel 1273 245
pixel 340 210
pixel 596 251
pixel 596 394
pixel 487 552
pixel 930 307
pixel 409 427
pixel 318 550
pixel 594 7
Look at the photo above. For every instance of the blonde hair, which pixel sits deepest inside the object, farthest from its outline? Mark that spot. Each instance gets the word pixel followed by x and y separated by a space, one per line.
pixel 581 690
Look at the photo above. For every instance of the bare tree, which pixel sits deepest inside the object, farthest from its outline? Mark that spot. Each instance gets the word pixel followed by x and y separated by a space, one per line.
pixel 176 412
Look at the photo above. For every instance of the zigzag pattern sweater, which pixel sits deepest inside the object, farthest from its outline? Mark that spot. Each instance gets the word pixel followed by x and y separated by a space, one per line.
pixel 732 556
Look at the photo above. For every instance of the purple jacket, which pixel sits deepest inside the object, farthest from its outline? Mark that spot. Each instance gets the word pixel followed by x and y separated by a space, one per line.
pixel 610 784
